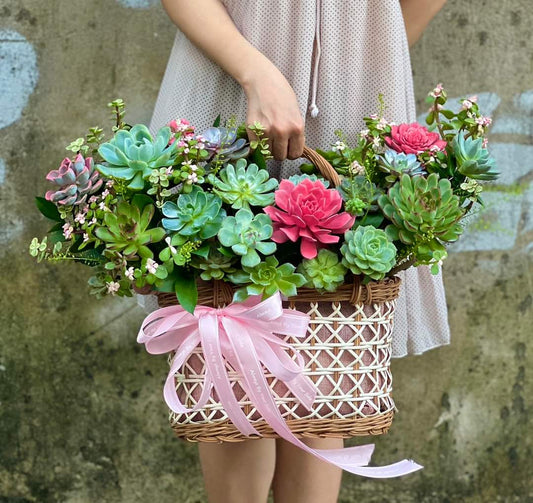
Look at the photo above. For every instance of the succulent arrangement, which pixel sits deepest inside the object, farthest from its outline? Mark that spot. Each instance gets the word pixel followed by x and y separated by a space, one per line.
pixel 165 211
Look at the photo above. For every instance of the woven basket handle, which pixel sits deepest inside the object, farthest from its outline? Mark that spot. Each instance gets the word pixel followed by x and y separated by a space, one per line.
pixel 325 168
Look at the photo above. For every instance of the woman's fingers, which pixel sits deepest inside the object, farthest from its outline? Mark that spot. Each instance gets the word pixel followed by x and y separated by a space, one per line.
pixel 287 142
pixel 296 146
pixel 279 148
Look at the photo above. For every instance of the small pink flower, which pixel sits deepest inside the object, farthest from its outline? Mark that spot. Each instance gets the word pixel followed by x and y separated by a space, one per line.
pixel 473 99
pixel 67 230
pixel 129 273
pixel 151 266
pixel 382 124
pixel 413 139
pixel 466 105
pixel 310 212
pixel 437 91
pixel 80 218
pixel 112 287
pixel 181 126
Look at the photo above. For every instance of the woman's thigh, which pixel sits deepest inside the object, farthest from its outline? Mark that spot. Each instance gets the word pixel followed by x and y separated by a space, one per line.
pixel 301 477
pixel 238 472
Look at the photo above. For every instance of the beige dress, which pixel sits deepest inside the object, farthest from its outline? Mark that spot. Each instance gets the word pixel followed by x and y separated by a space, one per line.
pixel 338 55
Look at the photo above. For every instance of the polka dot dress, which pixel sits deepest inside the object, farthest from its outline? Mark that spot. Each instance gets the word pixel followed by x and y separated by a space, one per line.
pixel 338 55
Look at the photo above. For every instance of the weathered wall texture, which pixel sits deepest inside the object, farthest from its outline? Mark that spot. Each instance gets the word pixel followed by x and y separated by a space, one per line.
pixel 81 415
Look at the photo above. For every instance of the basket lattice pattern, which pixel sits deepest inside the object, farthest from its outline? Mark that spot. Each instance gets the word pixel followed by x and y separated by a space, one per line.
pixel 347 354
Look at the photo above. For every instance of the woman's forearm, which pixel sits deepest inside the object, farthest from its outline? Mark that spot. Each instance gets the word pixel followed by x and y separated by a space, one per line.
pixel 417 14
pixel 207 24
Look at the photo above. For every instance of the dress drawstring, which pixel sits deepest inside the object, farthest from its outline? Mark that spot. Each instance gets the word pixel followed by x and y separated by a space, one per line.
pixel 313 107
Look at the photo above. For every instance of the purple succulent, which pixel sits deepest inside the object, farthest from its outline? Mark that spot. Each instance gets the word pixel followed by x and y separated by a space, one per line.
pixel 75 180
pixel 223 141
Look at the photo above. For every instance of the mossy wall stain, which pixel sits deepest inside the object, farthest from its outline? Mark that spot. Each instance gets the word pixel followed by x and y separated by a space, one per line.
pixel 82 418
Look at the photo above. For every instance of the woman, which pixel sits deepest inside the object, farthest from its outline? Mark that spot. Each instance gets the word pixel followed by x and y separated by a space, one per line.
pixel 302 68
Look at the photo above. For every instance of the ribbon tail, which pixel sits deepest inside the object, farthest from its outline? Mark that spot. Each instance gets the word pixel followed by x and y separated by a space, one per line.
pixel 258 390
pixel 214 361
pixel 282 366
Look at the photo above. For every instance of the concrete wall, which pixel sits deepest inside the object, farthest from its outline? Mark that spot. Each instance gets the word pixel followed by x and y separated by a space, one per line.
pixel 81 418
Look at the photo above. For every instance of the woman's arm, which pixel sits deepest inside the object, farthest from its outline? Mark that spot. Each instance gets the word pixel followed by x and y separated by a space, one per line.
pixel 271 99
pixel 417 14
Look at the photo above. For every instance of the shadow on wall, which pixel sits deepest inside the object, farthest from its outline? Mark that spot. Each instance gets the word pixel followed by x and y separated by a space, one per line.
pixel 508 211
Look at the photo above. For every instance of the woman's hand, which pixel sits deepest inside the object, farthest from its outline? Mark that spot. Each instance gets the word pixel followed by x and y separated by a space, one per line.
pixel 273 103
pixel 271 99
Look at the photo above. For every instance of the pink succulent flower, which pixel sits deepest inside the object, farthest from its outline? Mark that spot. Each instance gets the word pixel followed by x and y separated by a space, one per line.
pixel 413 139
pixel 74 181
pixel 310 212
pixel 181 126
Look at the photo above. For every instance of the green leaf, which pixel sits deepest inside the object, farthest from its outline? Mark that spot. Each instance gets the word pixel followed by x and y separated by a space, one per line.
pixel 240 295
pixel 258 158
pixel 202 251
pixel 56 236
pixel 141 200
pixel 186 290
pixel 217 121
pixel 56 227
pixel 374 220
pixel 90 257
pixel 448 114
pixel 48 209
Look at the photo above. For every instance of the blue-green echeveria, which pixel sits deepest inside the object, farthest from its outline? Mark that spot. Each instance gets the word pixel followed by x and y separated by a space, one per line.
pixel 397 163
pixel 132 155
pixel 267 278
pixel 246 235
pixel 325 272
pixel 243 186
pixel 296 179
pixel 368 251
pixel 473 160
pixel 215 266
pixel 197 213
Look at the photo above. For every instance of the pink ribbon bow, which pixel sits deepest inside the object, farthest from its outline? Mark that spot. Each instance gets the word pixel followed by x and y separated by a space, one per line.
pixel 247 336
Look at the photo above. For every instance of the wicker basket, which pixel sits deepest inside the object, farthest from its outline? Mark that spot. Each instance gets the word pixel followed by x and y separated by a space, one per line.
pixel 347 352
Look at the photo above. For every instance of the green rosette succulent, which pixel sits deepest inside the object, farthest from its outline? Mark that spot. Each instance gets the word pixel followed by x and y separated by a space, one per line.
pixel 215 266
pixel 243 186
pixel 422 210
pixel 359 195
pixel 267 278
pixel 325 272
pixel 132 155
pixel 197 213
pixel 473 160
pixel 126 230
pixel 246 235
pixel 368 251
